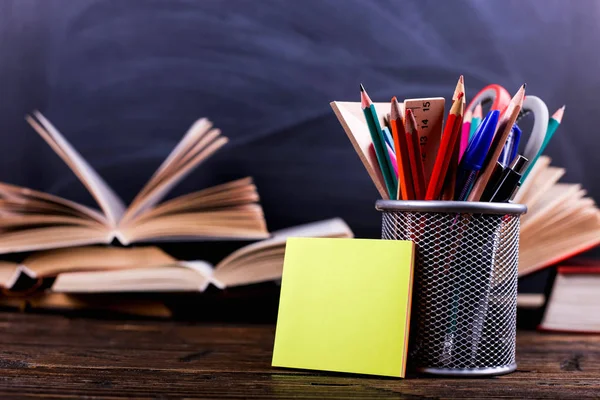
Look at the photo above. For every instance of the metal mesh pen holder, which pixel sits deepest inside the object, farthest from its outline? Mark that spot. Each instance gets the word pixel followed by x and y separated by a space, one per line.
pixel 465 283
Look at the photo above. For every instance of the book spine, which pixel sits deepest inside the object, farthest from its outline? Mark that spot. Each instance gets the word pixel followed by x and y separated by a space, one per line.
pixel 578 270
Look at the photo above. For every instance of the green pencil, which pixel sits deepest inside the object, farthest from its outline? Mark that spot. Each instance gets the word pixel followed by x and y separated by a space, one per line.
pixel 383 157
pixel 553 125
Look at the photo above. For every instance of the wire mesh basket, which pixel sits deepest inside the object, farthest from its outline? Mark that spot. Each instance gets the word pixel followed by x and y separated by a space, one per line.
pixel 465 283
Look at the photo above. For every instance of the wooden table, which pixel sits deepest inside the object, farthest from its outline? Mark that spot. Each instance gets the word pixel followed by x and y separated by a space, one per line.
pixel 55 356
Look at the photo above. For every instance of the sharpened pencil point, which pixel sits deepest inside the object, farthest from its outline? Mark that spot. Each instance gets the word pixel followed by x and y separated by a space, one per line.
pixel 362 88
pixel 478 112
pixel 558 115
pixel 461 79
pixel 395 109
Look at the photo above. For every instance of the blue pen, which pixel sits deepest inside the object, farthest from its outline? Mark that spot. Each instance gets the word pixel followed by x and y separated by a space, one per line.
pixel 474 156
pixel 509 151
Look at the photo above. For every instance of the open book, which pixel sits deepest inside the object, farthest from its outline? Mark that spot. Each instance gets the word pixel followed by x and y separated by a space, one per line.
pixel 32 220
pixel 149 269
pixel 560 221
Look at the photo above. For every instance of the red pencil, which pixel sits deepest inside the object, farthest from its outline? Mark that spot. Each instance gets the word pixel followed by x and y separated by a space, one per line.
pixel 444 155
pixel 414 155
pixel 405 181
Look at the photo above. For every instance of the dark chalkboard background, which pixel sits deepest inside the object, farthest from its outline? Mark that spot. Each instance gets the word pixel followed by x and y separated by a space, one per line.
pixel 123 80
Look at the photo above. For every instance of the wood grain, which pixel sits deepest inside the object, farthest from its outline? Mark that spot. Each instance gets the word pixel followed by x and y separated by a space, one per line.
pixel 54 356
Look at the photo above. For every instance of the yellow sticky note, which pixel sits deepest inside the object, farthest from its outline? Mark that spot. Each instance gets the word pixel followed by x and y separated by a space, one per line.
pixel 345 306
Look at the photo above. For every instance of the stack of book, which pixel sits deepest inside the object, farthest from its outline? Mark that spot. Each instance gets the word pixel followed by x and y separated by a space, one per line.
pixel 70 242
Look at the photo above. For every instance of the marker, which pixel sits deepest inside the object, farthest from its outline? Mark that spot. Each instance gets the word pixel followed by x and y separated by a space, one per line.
pixel 510 181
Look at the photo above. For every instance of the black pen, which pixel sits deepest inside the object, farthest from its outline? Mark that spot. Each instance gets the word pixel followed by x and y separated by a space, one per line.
pixel 493 183
pixel 509 181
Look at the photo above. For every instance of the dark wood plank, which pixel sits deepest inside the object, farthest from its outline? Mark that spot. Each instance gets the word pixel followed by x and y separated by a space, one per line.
pixel 53 356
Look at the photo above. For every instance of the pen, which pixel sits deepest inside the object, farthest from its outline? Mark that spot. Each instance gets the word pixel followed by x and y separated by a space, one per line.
pixel 475 154
pixel 509 182
pixel 493 183
pixel 383 158
pixel 509 152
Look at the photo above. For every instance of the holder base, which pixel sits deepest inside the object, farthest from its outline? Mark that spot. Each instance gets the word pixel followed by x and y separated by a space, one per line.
pixel 470 372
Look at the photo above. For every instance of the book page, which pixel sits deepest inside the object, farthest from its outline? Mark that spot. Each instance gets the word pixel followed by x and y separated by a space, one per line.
pixel 33 201
pixel 240 222
pixel 539 185
pixel 107 199
pixel 190 145
pixel 196 146
pixel 198 129
pixel 152 279
pixel 53 262
pixel 559 216
pixel 229 194
pixel 9 273
pixel 225 271
pixel 51 237
pixel 550 200
pixel 580 234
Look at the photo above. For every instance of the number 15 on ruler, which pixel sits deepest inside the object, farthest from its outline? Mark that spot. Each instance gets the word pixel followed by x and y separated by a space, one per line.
pixel 429 113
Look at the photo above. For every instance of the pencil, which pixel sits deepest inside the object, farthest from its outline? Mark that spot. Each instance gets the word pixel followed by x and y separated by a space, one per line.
pixel 504 127
pixel 460 88
pixel 405 181
pixel 414 154
pixel 383 158
pixel 445 153
pixel 459 147
pixel 476 120
pixel 553 125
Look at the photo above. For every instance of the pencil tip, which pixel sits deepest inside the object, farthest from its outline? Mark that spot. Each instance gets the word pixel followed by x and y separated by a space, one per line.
pixel 558 115
pixel 362 88
pixel 563 107
pixel 410 121
pixel 461 79
pixel 524 86
pixel 394 99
